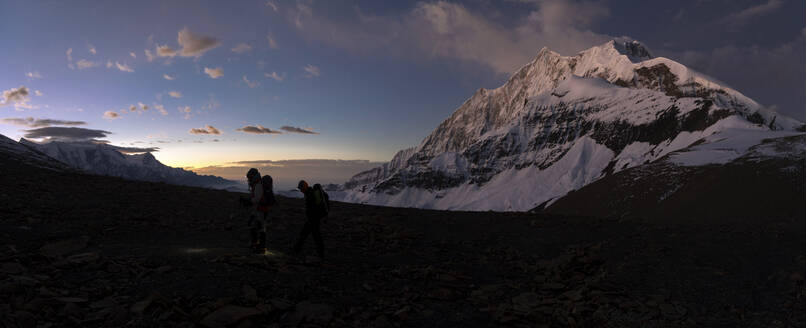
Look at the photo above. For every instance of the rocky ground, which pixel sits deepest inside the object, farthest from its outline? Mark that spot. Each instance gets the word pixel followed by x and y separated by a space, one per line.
pixel 81 250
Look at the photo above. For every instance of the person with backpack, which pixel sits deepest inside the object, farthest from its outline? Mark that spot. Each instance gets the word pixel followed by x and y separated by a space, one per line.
pixel 261 199
pixel 317 206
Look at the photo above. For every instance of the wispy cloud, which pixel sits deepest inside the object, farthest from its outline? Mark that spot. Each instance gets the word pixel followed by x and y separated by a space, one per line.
pixel 123 67
pixel 208 129
pixel 111 115
pixel 190 45
pixel 161 109
pixel 212 102
pixel 92 49
pixel 83 64
pixel 259 129
pixel 38 93
pixel 241 48
pixel 39 122
pixel 272 5
pixel 251 84
pixel 272 42
pixel 168 77
pixel 175 94
pixel 294 129
pixel 69 54
pixel 275 76
pixel 214 72
pixel 743 16
pixel 165 51
pixel 33 75
pixel 186 110
pixel 313 71
pixel 149 56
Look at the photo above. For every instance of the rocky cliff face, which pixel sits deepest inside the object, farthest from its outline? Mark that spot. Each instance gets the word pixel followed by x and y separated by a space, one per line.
pixel 556 125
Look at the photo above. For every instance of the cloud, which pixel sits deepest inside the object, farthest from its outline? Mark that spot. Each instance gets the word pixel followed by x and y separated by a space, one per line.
pixel 312 70
pixel 272 5
pixel 39 122
pixel 133 55
pixel 194 45
pixel 111 115
pixel 124 67
pixel 241 48
pixel 33 75
pixel 134 150
pixel 92 49
pixel 446 30
pixel 214 72
pixel 168 77
pixel 257 130
pixel 149 56
pixel 272 43
pixel 15 96
pixel 275 76
pixel 208 129
pixel 165 51
pixel 161 109
pixel 251 84
pixel 83 63
pixel 190 45
pixel 143 106
pixel 185 110
pixel 212 103
pixel 294 129
pixel 109 64
pixel 69 54
pixel 175 94
pixel 65 134
pixel 38 93
pixel 743 16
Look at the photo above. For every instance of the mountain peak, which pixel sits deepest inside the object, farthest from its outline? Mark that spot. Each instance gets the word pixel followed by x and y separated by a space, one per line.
pixel 635 50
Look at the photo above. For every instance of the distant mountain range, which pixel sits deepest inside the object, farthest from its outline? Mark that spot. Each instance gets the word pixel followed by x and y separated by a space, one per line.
pixel 104 159
pixel 561 123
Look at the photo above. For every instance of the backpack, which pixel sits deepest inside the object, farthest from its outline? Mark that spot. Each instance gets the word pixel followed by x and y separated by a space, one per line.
pixel 268 191
pixel 322 200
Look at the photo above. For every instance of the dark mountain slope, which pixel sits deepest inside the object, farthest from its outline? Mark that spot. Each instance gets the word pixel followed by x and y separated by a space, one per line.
pixel 754 186
pixel 92 251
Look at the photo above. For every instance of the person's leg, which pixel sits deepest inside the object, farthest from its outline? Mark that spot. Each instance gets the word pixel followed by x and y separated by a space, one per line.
pixel 306 229
pixel 262 234
pixel 253 232
pixel 317 237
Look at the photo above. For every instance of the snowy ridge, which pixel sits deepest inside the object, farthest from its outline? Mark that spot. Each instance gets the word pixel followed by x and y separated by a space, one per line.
pixel 103 159
pixel 560 123
pixel 20 152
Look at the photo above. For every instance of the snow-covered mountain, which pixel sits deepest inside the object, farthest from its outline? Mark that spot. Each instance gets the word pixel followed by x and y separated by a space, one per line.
pixel 19 152
pixel 103 159
pixel 562 122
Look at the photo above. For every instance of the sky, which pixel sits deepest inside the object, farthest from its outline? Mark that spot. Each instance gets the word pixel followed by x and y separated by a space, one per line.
pixel 217 85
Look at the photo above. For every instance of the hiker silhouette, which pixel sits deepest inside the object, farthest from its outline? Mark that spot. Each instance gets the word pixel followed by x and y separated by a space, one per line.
pixel 261 200
pixel 316 207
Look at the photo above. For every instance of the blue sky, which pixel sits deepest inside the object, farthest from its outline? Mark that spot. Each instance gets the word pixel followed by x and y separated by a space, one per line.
pixel 368 77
